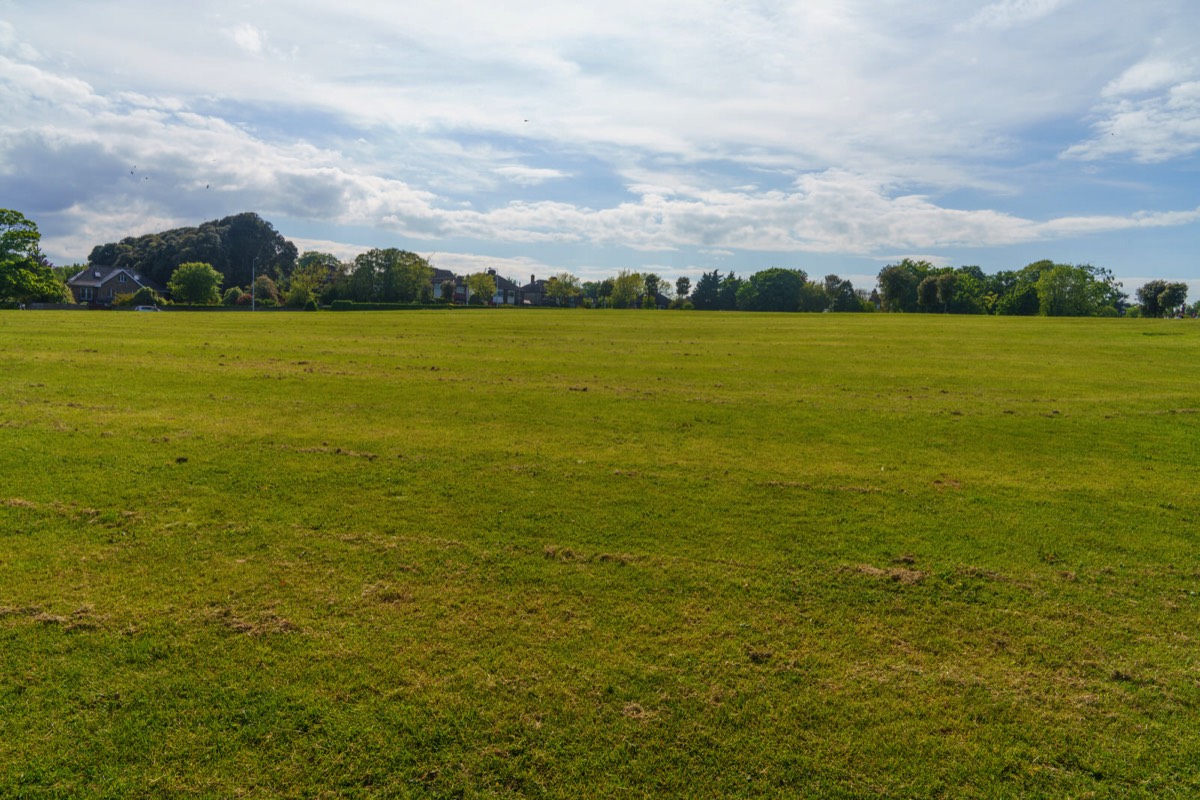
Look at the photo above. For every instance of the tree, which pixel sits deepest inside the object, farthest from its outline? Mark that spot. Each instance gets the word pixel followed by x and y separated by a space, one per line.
pixel 841 295
pixel 236 246
pixel 195 283
pixel 682 287
pixel 773 289
pixel 314 272
pixel 482 288
pixel 25 274
pixel 1173 297
pixel 563 287
pixel 604 291
pixel 708 290
pixel 1158 297
pixel 728 291
pixel 927 293
pixel 299 296
pixel 898 284
pixel 390 276
pixel 626 288
pixel 1063 291
pixel 651 282
pixel 266 291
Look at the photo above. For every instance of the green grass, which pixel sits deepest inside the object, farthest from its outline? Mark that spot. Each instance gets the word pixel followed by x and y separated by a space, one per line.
pixel 598 554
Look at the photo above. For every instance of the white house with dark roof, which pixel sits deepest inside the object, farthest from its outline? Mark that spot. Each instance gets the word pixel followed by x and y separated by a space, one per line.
pixel 99 286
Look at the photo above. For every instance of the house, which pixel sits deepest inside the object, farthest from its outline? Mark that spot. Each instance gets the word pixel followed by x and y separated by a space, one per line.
pixel 99 286
pixel 532 293
pixel 506 290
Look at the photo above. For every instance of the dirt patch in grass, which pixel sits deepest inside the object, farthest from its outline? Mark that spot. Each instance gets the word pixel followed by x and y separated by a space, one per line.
pixel 262 624
pixel 902 575
pixel 17 502
pixel 566 554
pixel 81 619
pixel 386 594
pixel 810 487
pixel 335 451
pixel 556 553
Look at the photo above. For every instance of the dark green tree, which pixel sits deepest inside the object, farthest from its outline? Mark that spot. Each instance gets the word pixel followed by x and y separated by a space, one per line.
pixel 236 246
pixel 728 292
pixel 707 294
pixel 898 284
pixel 773 289
pixel 840 294
pixel 390 276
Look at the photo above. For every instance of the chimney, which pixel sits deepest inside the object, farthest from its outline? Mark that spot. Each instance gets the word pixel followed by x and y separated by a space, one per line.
pixel 531 279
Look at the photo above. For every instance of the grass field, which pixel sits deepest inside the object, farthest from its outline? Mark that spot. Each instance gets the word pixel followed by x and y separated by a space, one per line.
pixel 568 554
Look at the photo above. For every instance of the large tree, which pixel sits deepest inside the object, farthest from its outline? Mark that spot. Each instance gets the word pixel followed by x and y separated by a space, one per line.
pixel 236 246
pixel 1158 297
pixel 841 295
pixel 898 284
pixel 626 287
pixel 706 295
pixel 25 274
pixel 390 276
pixel 773 289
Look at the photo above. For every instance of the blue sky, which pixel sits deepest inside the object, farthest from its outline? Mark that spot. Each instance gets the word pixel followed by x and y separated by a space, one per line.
pixel 828 135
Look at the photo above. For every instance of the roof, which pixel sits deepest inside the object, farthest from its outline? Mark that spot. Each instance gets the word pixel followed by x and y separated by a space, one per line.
pixel 504 284
pixel 98 276
pixel 440 276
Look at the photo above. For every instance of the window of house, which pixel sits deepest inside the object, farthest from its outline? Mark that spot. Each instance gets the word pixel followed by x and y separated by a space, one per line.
pixel 86 293
pixel 122 278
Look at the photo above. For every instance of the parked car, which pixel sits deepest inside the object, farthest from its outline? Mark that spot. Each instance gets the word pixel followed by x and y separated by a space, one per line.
pixel 146 308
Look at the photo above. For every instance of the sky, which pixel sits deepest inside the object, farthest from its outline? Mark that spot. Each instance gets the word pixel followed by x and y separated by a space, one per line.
pixel 833 136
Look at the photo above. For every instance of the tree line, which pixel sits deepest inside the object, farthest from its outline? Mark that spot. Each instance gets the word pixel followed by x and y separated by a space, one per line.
pixel 242 259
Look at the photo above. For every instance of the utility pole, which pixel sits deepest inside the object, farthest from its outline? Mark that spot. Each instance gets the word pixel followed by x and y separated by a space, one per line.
pixel 253 280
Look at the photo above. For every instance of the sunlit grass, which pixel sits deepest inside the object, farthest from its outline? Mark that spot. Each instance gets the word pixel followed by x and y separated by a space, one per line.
pixel 589 553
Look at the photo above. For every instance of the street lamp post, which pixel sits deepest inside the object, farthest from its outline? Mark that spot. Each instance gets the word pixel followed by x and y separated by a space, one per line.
pixel 253 280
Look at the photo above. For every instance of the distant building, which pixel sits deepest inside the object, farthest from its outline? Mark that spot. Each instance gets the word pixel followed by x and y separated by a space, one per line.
pixel 99 286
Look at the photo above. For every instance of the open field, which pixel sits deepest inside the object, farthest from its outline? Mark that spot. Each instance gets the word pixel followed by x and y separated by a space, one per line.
pixel 572 554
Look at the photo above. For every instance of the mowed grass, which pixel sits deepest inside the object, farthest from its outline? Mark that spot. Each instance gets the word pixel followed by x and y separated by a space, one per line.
pixel 565 554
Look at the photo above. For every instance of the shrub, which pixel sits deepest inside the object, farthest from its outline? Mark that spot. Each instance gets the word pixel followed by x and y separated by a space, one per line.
pixel 298 297
pixel 311 305
pixel 146 296
pixel 232 295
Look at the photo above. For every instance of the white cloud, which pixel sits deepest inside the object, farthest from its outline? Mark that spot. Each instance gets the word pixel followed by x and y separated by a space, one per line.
pixel 1150 112
pixel 1146 76
pixel 1008 13
pixel 247 37
pixel 529 176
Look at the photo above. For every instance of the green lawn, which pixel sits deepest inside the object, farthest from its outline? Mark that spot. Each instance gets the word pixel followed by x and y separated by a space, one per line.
pixel 568 554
